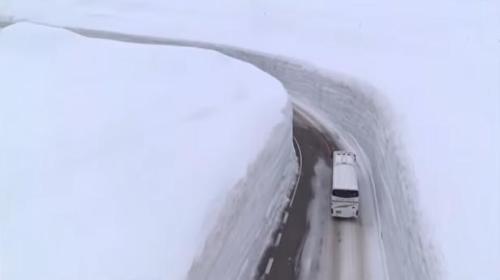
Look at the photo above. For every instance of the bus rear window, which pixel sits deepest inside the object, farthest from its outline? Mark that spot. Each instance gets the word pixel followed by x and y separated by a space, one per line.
pixel 345 193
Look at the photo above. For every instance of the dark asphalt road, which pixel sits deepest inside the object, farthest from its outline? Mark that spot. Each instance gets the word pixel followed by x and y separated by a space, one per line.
pixel 281 261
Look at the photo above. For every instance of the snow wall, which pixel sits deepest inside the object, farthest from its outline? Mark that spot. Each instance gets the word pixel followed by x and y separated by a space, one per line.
pixel 251 212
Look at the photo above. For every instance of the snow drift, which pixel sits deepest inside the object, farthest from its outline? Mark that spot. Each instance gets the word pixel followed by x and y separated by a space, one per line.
pixel 122 161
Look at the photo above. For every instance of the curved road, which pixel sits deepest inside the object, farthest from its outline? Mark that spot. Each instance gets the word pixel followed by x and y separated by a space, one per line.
pixel 282 259
pixel 336 246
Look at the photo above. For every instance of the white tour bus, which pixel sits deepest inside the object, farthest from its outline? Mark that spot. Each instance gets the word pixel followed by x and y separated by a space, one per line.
pixel 345 193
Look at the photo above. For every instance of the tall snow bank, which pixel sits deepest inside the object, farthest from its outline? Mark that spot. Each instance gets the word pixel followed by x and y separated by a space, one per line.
pixel 252 212
pixel 123 161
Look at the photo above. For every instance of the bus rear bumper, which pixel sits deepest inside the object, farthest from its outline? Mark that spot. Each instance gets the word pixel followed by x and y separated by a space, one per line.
pixel 345 212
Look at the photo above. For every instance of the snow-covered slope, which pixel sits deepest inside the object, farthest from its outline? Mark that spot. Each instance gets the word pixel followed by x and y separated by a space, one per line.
pixel 122 161
pixel 437 63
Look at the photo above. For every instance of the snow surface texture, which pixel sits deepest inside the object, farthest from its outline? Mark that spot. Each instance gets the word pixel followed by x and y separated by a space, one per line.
pixel 437 62
pixel 122 161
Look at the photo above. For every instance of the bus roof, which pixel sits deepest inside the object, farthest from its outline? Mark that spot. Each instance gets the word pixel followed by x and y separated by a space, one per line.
pixel 344 171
